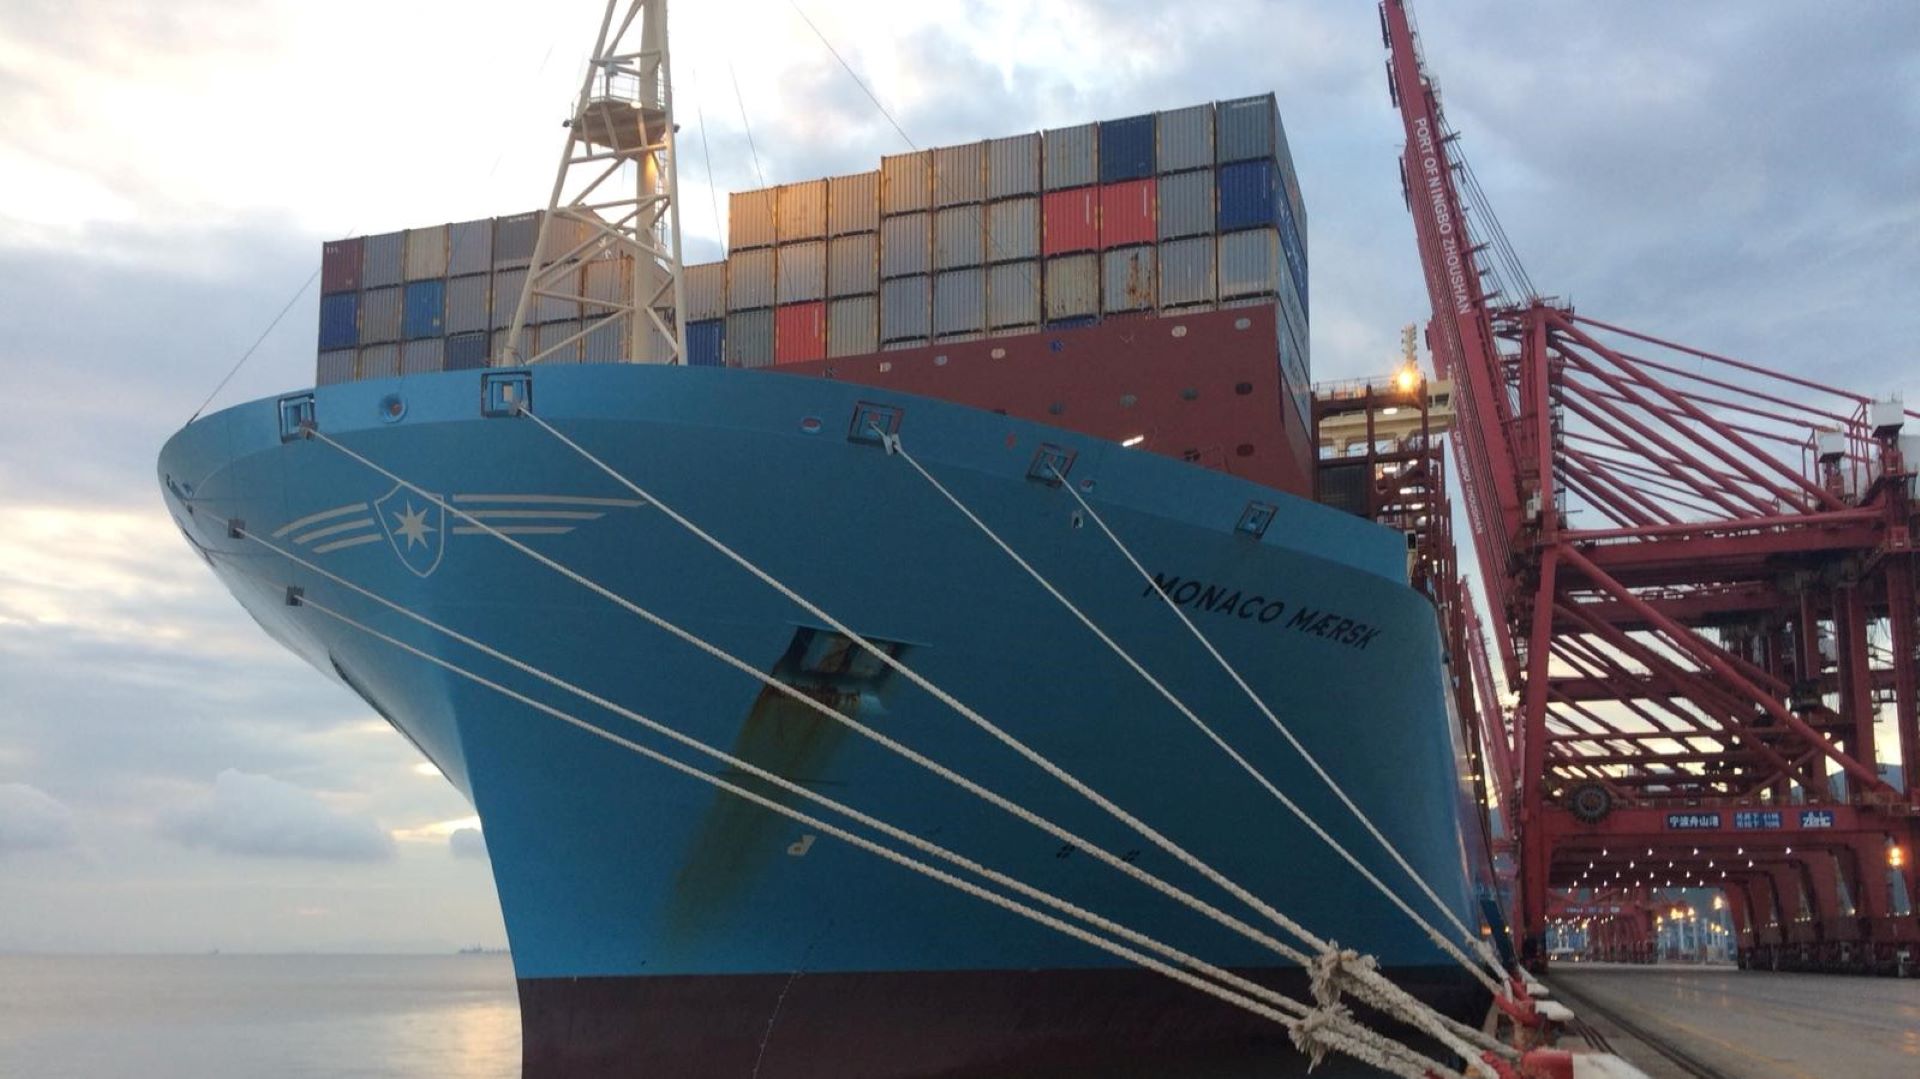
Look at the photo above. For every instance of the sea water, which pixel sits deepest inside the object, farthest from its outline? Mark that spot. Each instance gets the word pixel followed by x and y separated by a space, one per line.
pixel 198 1017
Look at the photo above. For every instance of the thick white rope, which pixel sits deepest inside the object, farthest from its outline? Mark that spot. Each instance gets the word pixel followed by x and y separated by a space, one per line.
pixel 1314 1032
pixel 1438 938
pixel 1472 939
pixel 1368 984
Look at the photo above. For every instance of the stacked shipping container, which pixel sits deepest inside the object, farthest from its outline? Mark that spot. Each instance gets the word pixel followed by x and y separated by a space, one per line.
pixel 1188 209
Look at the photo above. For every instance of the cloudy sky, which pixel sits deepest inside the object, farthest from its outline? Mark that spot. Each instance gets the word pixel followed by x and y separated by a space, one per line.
pixel 1744 176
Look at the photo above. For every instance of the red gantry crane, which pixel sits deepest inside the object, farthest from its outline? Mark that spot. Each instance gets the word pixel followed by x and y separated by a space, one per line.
pixel 1701 576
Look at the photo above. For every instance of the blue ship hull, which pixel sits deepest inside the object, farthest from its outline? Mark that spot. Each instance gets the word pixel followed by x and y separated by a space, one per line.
pixel 662 927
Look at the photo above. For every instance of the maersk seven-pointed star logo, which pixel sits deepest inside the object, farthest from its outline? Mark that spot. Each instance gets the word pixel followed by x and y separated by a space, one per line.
pixel 416 526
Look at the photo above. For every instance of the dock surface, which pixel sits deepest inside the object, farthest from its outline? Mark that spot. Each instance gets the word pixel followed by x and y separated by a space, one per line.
pixel 1723 1023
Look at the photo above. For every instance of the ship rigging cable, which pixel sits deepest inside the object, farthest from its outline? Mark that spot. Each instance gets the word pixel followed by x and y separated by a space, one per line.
pixel 1359 974
pixel 1247 993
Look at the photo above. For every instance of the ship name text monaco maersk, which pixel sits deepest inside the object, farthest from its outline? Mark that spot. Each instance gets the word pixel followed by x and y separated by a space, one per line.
pixel 1219 599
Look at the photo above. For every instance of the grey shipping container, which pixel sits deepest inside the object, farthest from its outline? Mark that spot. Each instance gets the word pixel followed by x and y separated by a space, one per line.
pixel 705 288
pixel 1013 229
pixel 427 253
pixel 959 301
pixel 1013 166
pixel 800 211
pixel 380 361
pixel 559 296
pixel 557 342
pixel 802 270
pixel 380 314
pixel 1186 204
pixel 853 203
pixel 1183 139
pixel 1126 279
pixel 1250 264
pixel 1072 156
pixel 469 303
pixel 1013 295
pixel 906 182
pixel 750 338
pixel 959 233
pixel 906 309
pixel 507 286
pixel 383 259
pixel 499 345
pixel 423 357
pixel 1073 286
pixel 853 326
pixel 569 237
pixel 470 247
pixel 906 245
pixel 1246 129
pixel 750 219
pixel 513 239
pixel 960 174
pixel 335 366
pixel 1186 272
pixel 606 343
pixel 607 284
pixel 750 280
pixel 853 265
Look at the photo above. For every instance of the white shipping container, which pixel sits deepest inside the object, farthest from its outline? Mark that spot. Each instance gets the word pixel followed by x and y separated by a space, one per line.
pixel 469 301
pixel 958 235
pixel 570 238
pixel 853 265
pixel 507 286
pixel 423 357
pixel 750 338
pixel 1183 139
pixel 1250 264
pixel 607 285
pixel 800 212
pixel 558 342
pixel 1072 156
pixel 1126 279
pixel 750 279
pixel 382 259
pixel 499 345
pixel 335 366
pixel 906 245
pixel 606 343
pixel 906 182
pixel 960 174
pixel 1072 286
pixel 1013 229
pixel 380 314
pixel 470 247
pixel 959 302
pixel 853 203
pixel 1186 272
pixel 802 270
pixel 853 326
pixel 705 289
pixel 559 296
pixel 1013 294
pixel 380 361
pixel 750 219
pixel 1013 166
pixel 906 308
pixel 1186 204
pixel 427 253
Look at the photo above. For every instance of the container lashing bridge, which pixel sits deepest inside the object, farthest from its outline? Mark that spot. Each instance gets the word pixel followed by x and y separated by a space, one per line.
pixel 1701 575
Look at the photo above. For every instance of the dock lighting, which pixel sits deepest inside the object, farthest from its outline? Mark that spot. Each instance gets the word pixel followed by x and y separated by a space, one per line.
pixel 1719 902
pixel 1896 857
pixel 1390 412
pixel 1649 852
pixel 1696 852
pixel 1742 851
pixel 1134 441
pixel 1407 379
pixel 1789 850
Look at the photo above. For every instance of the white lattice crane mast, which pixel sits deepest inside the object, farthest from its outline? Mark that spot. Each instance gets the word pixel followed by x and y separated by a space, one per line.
pixel 610 239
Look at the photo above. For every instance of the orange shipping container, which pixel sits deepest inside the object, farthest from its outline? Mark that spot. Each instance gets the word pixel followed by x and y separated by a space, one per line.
pixel 1070 221
pixel 799 332
pixel 1127 213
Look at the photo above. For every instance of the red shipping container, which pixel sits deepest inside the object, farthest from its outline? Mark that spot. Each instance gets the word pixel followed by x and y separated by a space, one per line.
pixel 1070 221
pixel 799 332
pixel 340 266
pixel 1127 213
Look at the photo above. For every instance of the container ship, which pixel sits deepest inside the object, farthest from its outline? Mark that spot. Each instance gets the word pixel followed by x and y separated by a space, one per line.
pixel 1110 320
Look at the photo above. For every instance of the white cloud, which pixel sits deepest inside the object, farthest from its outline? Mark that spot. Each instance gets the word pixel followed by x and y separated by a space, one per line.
pixel 31 819
pixel 467 843
pixel 259 816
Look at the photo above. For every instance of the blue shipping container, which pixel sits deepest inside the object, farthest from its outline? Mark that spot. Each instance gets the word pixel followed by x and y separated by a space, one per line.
pixel 706 343
pixel 467 351
pixel 1249 196
pixel 339 321
pixel 1126 149
pixel 1078 322
pixel 425 310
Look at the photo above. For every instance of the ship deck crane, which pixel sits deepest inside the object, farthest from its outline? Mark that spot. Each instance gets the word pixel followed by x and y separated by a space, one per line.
pixel 1701 576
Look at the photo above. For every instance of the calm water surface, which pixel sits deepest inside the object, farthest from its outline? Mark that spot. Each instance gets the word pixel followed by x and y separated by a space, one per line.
pixel 195 1017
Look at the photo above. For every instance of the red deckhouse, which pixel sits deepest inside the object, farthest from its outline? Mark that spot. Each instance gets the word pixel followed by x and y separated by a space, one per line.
pixel 1703 582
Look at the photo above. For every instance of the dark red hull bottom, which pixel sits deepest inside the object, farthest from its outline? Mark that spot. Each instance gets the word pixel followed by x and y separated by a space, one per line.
pixel 1112 1024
